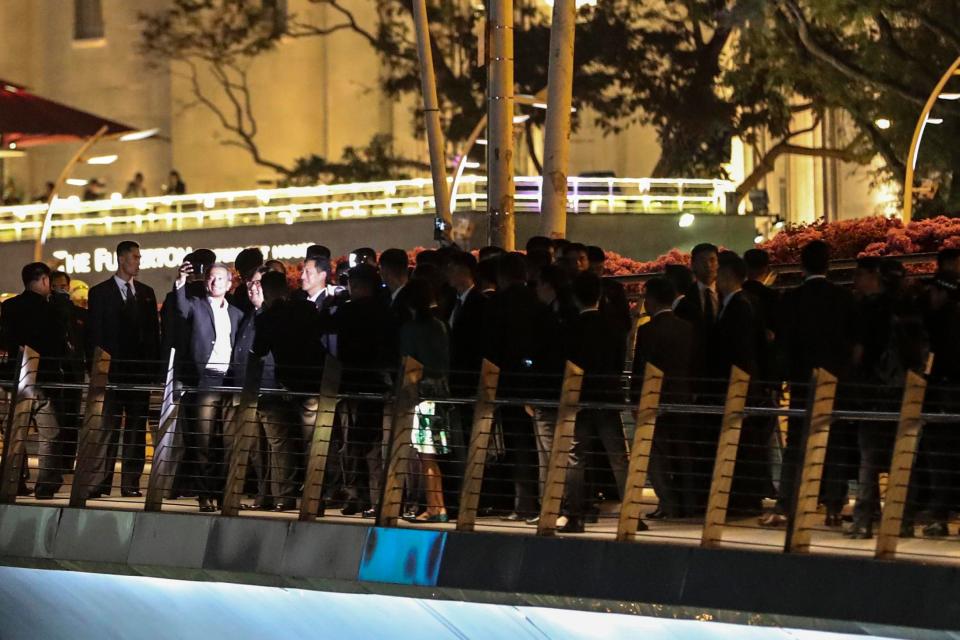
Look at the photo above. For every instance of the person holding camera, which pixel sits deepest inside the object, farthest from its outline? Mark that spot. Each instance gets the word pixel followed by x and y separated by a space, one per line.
pixel 213 329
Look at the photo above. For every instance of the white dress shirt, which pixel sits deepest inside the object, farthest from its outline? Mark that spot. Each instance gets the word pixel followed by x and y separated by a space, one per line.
pixel 122 284
pixel 222 349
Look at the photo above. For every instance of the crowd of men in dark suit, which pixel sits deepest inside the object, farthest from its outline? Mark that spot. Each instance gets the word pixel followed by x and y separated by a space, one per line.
pixel 528 313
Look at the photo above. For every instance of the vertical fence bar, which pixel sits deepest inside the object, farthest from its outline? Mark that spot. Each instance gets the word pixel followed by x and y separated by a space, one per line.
pixel 901 466
pixel 168 443
pixel 726 460
pixel 15 438
pixel 401 442
pixel 560 456
pixel 322 432
pixel 640 453
pixel 245 432
pixel 479 444
pixel 94 432
pixel 815 451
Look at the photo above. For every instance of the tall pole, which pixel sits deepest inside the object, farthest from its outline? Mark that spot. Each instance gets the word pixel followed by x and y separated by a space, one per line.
pixel 431 117
pixel 500 187
pixel 556 146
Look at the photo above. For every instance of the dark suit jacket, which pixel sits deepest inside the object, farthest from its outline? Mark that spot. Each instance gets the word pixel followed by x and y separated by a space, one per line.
pixel 289 330
pixel 514 339
pixel 197 311
pixel 614 305
pixel 735 340
pixel 30 320
pixel 593 342
pixel 362 326
pixel 767 303
pixel 666 342
pixel 817 329
pixel 107 328
pixel 466 343
pixel 690 308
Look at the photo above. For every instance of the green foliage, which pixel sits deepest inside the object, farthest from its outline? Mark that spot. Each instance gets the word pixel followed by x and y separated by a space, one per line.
pixel 376 161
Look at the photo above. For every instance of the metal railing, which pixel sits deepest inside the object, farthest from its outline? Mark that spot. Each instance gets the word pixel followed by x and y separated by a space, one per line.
pixel 631 458
pixel 117 215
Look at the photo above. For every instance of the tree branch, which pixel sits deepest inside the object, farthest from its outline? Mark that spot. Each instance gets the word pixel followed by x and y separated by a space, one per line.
pixel 785 147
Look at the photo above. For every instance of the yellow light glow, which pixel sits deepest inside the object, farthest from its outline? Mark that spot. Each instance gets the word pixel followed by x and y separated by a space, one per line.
pixel 882 123
pixel 108 159
pixel 686 220
pixel 139 135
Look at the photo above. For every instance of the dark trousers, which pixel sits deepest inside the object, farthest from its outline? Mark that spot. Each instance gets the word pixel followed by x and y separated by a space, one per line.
pixel 752 480
pixel 363 460
pixel 520 455
pixel 876 448
pixel 278 417
pixel 126 414
pixel 608 428
pixel 939 452
pixel 207 436
pixel 671 466
pixel 56 420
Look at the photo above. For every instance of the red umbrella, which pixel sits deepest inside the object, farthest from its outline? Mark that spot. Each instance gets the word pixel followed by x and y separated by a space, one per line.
pixel 29 120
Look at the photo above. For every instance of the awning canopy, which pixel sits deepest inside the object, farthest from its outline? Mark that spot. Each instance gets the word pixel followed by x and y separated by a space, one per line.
pixel 27 120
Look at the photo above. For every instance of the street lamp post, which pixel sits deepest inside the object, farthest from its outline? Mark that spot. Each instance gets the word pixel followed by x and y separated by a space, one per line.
pixel 556 147
pixel 500 99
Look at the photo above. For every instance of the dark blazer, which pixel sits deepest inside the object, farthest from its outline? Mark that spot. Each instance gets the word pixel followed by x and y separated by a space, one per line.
pixel 513 335
pixel 817 328
pixel 735 340
pixel 594 343
pixel 767 303
pixel 197 311
pixel 289 330
pixel 690 308
pixel 29 319
pixel 466 344
pixel 110 328
pixel 362 326
pixel 666 342
pixel 614 305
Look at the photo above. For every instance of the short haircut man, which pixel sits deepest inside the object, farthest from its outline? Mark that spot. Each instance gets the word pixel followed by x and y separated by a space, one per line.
pixel 34 272
pixel 703 247
pixel 733 264
pixel 512 268
pixel 126 246
pixel 395 262
pixel 815 258
pixel 274 285
pixel 661 291
pixel 758 262
pixel 539 243
pixel 596 255
pixel 318 251
pixel 587 288
pixel 463 260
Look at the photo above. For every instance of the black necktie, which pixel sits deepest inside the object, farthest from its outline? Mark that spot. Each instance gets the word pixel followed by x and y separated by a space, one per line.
pixel 708 314
pixel 456 310
pixel 131 301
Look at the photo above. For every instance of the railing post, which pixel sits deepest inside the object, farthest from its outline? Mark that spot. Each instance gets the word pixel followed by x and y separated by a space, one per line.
pixel 640 453
pixel 244 429
pixel 817 434
pixel 901 466
pixel 94 432
pixel 726 458
pixel 320 446
pixel 15 438
pixel 401 442
pixel 560 456
pixel 168 443
pixel 479 444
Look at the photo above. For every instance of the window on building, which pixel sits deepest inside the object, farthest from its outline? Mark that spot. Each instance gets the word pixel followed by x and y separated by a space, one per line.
pixel 88 20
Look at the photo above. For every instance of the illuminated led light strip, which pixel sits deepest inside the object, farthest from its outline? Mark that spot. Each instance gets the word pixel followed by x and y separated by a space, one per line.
pixel 332 202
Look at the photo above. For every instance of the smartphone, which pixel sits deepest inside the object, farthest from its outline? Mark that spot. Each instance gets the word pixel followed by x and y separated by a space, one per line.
pixel 352 260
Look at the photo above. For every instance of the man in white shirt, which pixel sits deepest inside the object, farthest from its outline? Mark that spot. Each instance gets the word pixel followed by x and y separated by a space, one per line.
pixel 214 323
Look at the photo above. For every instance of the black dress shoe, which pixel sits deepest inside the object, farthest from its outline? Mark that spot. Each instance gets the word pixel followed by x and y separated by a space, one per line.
pixel 369 513
pixel 858 532
pixel 573 525
pixel 833 520
pixel 352 508
pixel 286 505
pixel 657 514
pixel 43 495
pixel 513 517
pixel 131 494
pixel 642 526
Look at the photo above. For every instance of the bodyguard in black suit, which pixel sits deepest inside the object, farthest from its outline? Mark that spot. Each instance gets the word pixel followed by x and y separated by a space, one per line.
pixel 816 329
pixel 466 325
pixel 123 321
pixel 213 323
pixel 362 327
pixel 666 342
pixel 29 319
pixel 593 343
pixel 700 303
pixel 515 342
pixel 738 340
pixel 613 300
